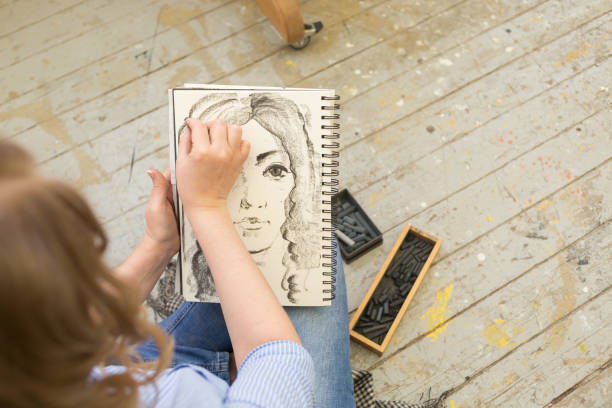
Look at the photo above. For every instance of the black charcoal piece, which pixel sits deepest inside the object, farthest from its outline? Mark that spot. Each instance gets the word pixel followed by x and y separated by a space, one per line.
pixel 347 227
pixel 369 308
pixel 346 205
pixel 379 313
pixel 377 333
pixel 346 211
pixel 364 223
pixel 350 220
pixel 372 314
pixel 386 307
pixel 360 237
pixel 387 319
pixel 376 327
pixel 358 229
pixel 363 325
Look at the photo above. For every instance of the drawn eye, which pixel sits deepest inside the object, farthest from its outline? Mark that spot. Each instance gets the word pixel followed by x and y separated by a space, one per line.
pixel 276 171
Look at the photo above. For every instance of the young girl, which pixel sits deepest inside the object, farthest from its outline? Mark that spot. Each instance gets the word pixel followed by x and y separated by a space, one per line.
pixel 74 333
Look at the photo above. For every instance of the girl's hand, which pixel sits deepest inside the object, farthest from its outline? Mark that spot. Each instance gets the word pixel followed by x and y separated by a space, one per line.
pixel 161 230
pixel 210 157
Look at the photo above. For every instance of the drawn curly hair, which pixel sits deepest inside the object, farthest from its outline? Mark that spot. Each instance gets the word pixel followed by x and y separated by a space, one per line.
pixel 288 124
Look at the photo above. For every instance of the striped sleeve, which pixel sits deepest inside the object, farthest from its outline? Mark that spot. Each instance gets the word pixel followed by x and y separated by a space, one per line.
pixel 278 374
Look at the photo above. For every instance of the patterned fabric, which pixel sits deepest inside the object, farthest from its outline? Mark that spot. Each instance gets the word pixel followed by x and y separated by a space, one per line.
pixel 364 395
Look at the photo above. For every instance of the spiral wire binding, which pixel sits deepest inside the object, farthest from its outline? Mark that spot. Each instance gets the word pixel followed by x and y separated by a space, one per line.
pixel 330 188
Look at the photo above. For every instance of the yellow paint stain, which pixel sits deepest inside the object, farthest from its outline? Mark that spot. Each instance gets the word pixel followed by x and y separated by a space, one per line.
pixel 450 123
pixel 156 136
pixel 509 379
pixel 583 348
pixel 436 314
pixel 535 19
pixel 452 404
pixel 495 334
pixel 489 218
pixel 375 197
pixel 289 62
pixel 572 55
pixel 544 205
pixel 555 221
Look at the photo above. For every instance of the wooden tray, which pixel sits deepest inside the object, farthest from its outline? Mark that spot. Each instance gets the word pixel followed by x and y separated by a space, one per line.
pixel 415 234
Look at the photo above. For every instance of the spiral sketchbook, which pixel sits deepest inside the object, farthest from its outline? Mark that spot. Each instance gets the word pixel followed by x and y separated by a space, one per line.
pixel 281 201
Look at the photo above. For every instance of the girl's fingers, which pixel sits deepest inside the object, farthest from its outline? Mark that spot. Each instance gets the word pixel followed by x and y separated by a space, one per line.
pixel 160 188
pixel 185 143
pixel 245 148
pixel 218 133
pixel 169 195
pixel 234 136
pixel 199 133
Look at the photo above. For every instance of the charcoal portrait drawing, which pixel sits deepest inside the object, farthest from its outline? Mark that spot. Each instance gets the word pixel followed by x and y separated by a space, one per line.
pixel 272 203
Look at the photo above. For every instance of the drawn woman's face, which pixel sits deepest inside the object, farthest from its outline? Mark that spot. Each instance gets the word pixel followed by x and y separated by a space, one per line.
pixel 257 201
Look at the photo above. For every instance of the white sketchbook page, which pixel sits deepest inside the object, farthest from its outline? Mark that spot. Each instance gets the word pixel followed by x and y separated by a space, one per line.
pixel 259 206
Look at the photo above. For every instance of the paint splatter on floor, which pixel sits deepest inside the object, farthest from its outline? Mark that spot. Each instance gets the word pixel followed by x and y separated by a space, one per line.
pixel 436 314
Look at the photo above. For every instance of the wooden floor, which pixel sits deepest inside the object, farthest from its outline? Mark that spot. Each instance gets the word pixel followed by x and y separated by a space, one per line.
pixel 485 122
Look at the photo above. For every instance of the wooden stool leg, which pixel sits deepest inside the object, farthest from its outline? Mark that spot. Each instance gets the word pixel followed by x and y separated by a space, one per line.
pixel 285 16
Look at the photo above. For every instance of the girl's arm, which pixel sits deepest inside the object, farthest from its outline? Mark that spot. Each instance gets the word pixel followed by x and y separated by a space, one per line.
pixel 209 161
pixel 142 268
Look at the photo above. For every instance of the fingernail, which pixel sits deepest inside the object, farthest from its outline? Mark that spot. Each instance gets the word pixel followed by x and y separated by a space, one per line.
pixel 150 173
pixel 186 117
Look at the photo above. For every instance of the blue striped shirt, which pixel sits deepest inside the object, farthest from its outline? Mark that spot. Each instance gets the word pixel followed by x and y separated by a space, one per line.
pixel 275 374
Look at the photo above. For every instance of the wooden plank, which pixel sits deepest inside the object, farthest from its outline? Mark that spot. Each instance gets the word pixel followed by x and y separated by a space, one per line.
pixel 424 130
pixel 540 369
pixel 275 71
pixel 18 14
pixel 451 217
pixel 126 156
pixel 52 144
pixel 457 67
pixel 494 345
pixel 471 158
pixel 63 26
pixel 124 72
pixel 130 29
pixel 594 391
pixel 510 247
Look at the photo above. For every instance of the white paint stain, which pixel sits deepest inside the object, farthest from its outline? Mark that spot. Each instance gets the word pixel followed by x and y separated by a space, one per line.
pixel 509 49
pixel 423 204
pixel 445 61
pixel 481 257
pixel 400 102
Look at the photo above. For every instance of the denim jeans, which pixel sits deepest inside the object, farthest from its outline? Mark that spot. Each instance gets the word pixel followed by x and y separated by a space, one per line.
pixel 202 339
